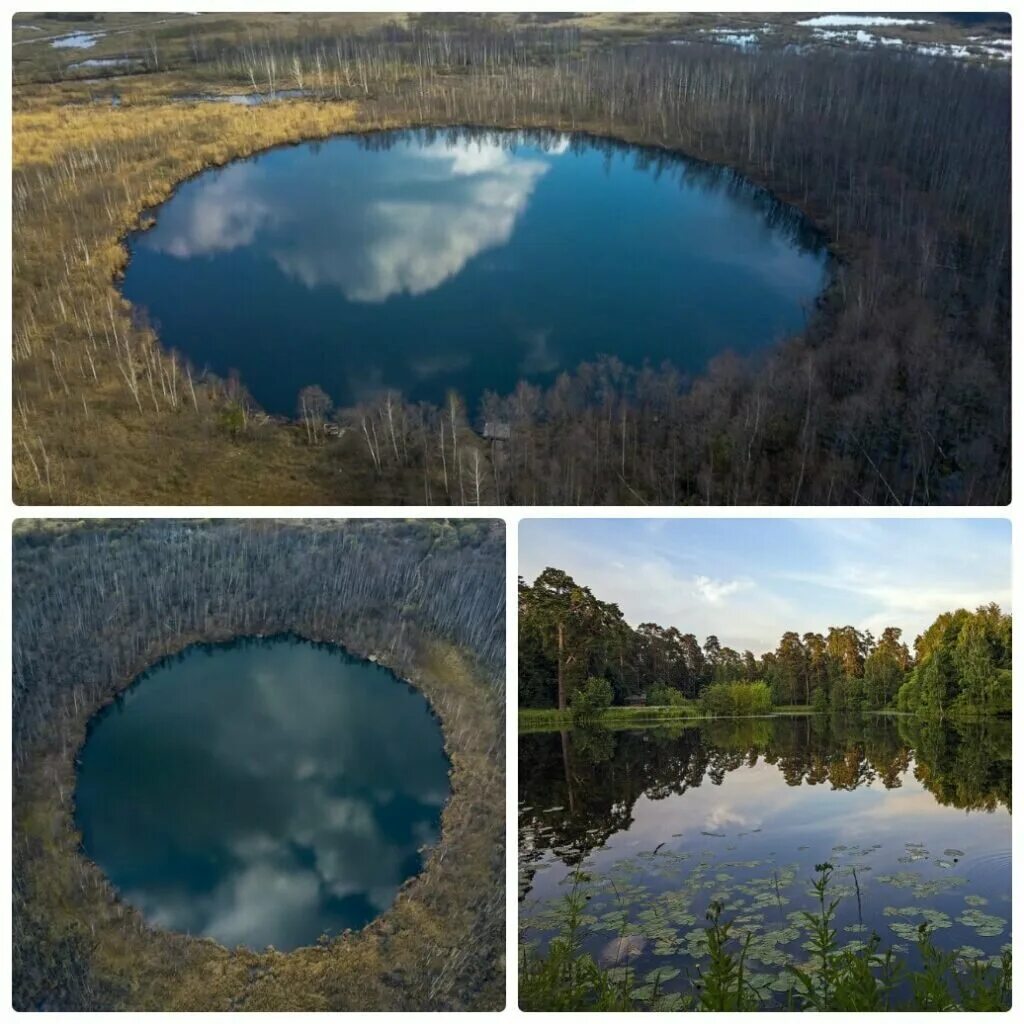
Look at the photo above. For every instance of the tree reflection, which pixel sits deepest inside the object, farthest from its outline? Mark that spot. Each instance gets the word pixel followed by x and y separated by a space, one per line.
pixel 577 788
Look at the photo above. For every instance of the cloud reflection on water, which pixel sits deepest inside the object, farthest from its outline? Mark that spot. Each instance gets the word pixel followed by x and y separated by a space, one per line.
pixel 263 806
pixel 372 237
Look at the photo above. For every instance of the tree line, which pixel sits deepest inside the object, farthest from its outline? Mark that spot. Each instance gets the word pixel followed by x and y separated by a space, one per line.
pixel 93 601
pixel 960 665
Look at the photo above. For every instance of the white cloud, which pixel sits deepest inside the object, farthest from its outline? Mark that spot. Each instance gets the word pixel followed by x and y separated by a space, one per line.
pixel 223 215
pixel 726 817
pixel 716 591
pixel 748 582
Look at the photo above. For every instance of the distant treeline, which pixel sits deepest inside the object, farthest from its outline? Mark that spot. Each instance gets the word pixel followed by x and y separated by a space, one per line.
pixel 960 666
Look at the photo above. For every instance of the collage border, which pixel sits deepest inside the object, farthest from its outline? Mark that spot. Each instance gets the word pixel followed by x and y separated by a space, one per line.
pixel 511 515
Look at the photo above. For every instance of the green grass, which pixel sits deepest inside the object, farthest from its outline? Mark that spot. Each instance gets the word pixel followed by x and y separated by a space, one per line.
pixel 546 719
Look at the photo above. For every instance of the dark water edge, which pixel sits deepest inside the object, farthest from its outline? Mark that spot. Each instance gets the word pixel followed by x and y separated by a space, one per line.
pixel 262 791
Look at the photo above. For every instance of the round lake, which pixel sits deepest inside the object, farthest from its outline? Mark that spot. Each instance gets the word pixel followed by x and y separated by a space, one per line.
pixel 262 792
pixel 423 261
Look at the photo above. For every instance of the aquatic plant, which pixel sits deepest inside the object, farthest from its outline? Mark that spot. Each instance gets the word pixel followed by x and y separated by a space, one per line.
pixel 565 977
pixel 857 976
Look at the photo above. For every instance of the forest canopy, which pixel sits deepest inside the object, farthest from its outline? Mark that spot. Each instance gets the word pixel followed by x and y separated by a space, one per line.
pixel 960 665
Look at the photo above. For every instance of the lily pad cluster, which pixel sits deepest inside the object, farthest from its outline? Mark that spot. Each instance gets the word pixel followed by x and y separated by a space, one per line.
pixel 645 914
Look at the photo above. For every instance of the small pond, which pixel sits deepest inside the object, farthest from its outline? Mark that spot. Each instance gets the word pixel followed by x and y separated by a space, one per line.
pixel 421 261
pixel 262 792
pixel 655 824
pixel 77 40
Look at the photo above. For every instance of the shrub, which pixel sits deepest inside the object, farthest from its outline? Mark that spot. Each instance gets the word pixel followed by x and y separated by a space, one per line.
pixel 591 700
pixel 665 696
pixel 736 699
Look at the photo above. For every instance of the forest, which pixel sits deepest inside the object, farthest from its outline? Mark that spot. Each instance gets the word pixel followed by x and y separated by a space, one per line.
pixel 570 642
pixel 897 392
pixel 98 603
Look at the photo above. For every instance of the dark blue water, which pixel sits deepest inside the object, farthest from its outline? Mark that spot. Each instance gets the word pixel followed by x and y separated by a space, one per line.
pixel 263 792
pixel 421 262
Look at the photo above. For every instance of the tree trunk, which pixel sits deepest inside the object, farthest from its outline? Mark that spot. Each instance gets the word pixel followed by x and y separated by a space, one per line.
pixel 561 667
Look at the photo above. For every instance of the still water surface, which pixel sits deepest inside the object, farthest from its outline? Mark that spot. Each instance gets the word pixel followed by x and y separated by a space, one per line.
pixel 262 792
pixel 422 261
pixel 915 816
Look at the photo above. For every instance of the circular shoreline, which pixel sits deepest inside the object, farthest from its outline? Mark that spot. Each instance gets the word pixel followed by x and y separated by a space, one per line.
pixel 146 218
pixel 226 643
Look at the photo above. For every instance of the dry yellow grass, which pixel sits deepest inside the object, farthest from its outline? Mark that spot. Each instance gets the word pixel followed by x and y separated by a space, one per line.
pixel 102 414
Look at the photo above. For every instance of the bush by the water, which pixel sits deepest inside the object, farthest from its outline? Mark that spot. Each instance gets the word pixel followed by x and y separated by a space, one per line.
pixel 591 700
pixel 734 699
pixel 663 696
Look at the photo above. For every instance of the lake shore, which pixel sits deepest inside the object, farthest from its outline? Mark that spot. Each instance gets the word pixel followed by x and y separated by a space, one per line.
pixel 550 719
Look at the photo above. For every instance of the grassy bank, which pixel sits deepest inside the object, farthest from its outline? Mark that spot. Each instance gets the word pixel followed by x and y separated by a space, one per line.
pixel 547 719
pixel 103 413
pixel 544 719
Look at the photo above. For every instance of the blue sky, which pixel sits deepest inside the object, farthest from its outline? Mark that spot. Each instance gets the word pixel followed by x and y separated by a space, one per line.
pixel 749 580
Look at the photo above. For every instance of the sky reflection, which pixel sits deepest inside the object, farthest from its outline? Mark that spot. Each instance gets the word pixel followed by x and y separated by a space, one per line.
pixel 426 261
pixel 263 793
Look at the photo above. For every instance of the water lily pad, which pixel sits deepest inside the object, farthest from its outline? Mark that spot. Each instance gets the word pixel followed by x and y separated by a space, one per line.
pixel 905 930
pixel 660 975
pixel 936 918
pixel 970 954
pixel 901 911
pixel 985 925
pixel 620 975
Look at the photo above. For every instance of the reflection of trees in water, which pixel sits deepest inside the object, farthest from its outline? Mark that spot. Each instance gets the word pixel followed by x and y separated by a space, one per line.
pixel 968 766
pixel 577 788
